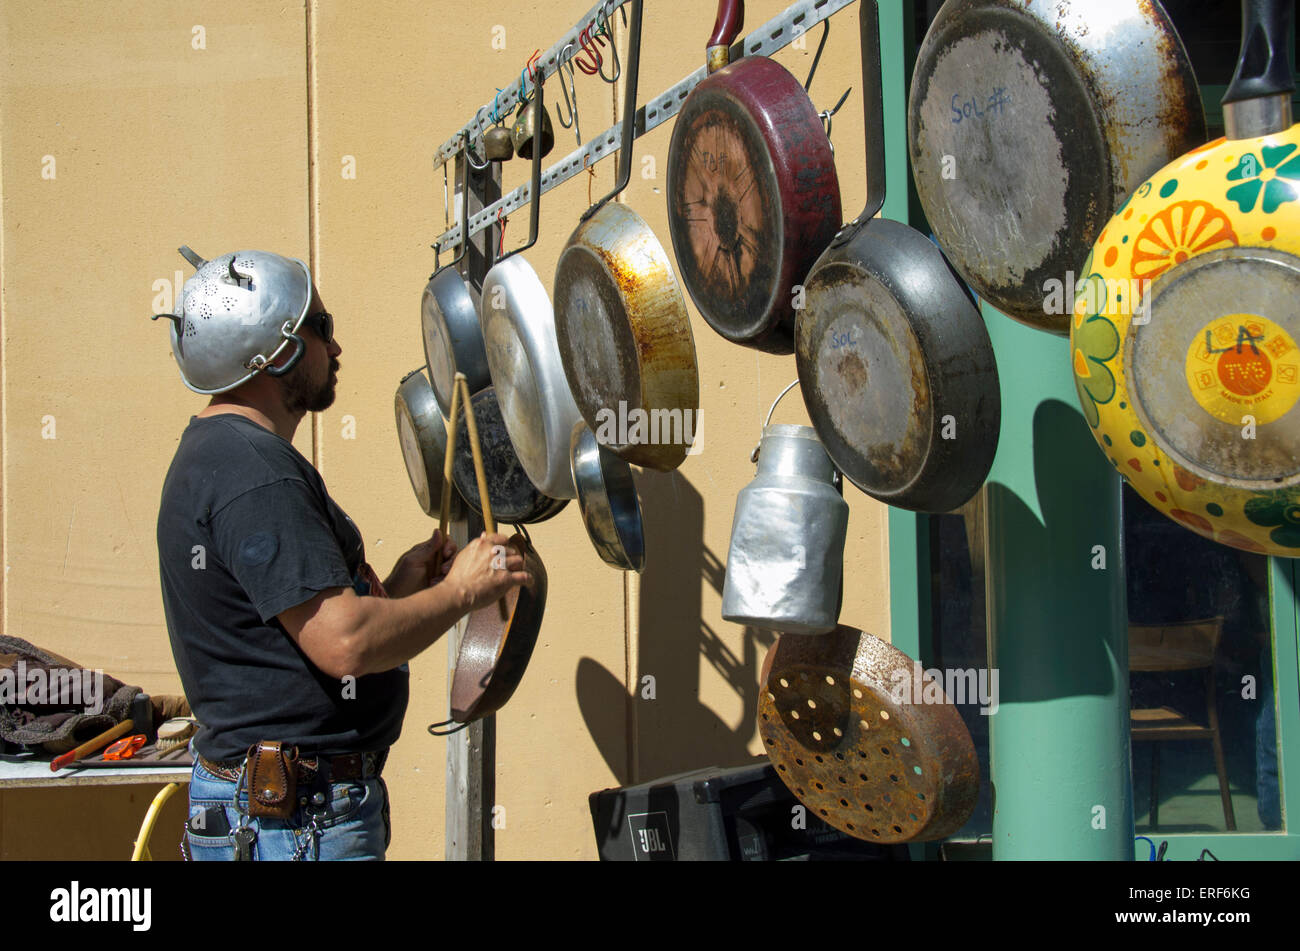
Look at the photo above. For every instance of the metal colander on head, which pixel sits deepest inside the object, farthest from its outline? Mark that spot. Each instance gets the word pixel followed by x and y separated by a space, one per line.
pixel 858 748
pixel 235 314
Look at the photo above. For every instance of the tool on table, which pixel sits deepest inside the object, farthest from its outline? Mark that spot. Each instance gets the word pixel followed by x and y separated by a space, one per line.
pixel 125 748
pixel 141 720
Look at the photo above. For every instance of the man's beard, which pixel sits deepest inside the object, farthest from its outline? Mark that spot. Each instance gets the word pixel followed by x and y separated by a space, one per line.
pixel 301 396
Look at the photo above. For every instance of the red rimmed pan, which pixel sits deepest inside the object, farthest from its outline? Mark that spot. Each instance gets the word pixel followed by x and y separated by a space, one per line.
pixel 753 198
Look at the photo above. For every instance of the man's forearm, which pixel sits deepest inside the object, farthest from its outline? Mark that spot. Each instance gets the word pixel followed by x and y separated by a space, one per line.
pixel 390 631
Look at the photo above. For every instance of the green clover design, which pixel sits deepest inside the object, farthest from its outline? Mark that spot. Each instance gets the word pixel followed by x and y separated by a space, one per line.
pixel 1280 511
pixel 1249 171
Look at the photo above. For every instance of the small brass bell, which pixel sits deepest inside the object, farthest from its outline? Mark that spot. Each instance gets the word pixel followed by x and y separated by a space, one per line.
pixel 498 145
pixel 525 132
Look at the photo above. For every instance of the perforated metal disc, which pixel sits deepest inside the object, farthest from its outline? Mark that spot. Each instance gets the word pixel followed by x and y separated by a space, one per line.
pixel 862 751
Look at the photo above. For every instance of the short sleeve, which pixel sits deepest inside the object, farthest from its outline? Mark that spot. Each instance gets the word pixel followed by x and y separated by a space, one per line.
pixel 277 541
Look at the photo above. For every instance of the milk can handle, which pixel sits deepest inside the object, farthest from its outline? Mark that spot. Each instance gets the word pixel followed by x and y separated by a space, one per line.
pixel 836 479
pixel 753 456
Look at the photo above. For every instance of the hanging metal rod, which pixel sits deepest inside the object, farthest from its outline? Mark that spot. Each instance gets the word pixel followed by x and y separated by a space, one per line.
pixel 777 33
pixel 510 95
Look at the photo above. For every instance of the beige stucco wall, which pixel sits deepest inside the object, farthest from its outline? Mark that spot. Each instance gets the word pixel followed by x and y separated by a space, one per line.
pixel 244 143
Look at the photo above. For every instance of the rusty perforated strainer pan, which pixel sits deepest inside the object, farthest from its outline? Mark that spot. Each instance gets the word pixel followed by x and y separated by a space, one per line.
pixel 843 734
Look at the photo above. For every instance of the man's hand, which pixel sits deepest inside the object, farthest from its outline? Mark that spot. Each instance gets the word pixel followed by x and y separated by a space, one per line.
pixel 414 570
pixel 486 569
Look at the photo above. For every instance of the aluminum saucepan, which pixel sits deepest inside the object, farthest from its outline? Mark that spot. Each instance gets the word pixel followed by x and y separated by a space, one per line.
pixel 453 338
pixel 422 432
pixel 528 375
pixel 608 501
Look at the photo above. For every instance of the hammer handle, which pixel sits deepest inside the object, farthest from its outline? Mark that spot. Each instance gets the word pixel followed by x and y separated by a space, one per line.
pixel 92 746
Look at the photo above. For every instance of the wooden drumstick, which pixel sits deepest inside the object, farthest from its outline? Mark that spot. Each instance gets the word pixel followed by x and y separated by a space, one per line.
pixel 489 523
pixel 444 516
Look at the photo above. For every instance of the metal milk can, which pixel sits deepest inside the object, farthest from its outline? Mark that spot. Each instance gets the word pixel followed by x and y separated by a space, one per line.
pixel 785 564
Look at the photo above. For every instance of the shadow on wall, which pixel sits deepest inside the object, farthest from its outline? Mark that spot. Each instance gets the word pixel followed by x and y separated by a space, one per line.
pixel 665 723
pixel 1064 589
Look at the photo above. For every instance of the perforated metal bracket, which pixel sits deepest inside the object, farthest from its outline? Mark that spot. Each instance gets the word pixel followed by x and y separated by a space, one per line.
pixel 777 33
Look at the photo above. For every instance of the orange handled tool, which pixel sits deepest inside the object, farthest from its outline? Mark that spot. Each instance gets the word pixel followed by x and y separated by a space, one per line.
pixel 125 749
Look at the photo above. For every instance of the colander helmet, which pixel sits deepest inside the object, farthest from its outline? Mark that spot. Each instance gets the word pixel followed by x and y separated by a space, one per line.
pixel 236 315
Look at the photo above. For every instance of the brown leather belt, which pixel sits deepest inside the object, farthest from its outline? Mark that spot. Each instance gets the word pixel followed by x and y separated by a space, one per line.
pixel 338 768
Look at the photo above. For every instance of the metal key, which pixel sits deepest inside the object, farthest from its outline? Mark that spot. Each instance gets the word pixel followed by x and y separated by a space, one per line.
pixel 244 839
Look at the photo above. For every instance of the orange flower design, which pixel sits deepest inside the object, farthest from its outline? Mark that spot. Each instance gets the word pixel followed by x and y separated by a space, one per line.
pixel 1178 232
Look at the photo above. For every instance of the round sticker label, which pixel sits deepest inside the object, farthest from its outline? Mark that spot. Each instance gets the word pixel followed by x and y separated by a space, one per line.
pixel 1244 364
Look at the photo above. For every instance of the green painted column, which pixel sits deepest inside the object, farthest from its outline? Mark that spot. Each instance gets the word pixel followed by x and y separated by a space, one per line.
pixel 1058 633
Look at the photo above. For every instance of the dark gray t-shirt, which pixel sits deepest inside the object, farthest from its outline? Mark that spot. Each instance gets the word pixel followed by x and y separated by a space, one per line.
pixel 246 530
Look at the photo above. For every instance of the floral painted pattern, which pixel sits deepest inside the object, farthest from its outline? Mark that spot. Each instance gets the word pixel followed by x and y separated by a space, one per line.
pixel 1094 341
pixel 1279 511
pixel 1274 172
pixel 1177 232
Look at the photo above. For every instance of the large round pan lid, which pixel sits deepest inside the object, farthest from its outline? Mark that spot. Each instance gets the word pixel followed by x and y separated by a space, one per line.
pixel 536 404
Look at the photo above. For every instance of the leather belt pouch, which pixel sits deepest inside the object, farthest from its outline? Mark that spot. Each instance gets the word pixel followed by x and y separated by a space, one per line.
pixel 272 780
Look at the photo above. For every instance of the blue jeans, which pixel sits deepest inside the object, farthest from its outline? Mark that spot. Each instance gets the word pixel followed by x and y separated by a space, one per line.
pixel 352 825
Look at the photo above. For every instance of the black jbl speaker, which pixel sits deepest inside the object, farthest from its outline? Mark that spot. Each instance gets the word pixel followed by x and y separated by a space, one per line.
pixel 744 813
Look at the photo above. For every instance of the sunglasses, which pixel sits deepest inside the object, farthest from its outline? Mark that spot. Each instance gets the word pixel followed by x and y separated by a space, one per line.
pixel 322 323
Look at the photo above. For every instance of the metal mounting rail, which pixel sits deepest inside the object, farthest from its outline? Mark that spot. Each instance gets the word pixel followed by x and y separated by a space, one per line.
pixel 773 35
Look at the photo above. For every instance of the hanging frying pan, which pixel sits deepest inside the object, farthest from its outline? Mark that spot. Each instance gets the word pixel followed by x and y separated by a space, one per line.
pixel 1029 122
pixel 514 497
pixel 752 192
pixel 519 334
pixel 453 339
pixel 895 363
pixel 422 433
pixel 499 638
pixel 1186 334
pixel 621 322
pixel 866 741
pixel 607 499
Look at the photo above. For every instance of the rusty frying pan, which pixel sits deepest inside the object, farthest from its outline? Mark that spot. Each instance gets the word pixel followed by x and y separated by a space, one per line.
pixel 621 322
pixel 752 193
pixel 499 638
pixel 1030 122
pixel 895 362
pixel 864 739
